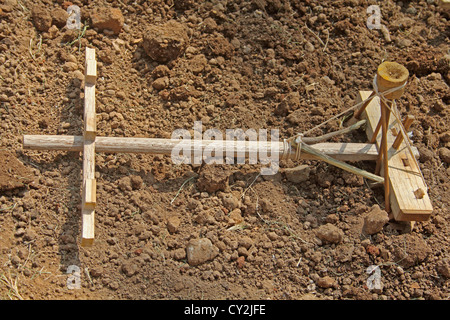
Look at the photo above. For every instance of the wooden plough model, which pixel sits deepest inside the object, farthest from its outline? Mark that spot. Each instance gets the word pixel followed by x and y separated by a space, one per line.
pixel 406 195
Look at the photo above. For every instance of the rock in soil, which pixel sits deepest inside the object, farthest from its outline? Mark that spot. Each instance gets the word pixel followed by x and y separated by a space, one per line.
pixel 166 42
pixel 41 18
pixel 201 250
pixel 105 18
pixel 329 233
pixel 298 174
pixel 410 249
pixel 213 178
pixel 374 220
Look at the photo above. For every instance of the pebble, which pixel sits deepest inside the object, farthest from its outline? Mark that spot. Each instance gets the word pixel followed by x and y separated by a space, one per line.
pixel 129 268
pixel 329 233
pixel 70 66
pixel 375 220
pixel 201 250
pixel 42 19
pixel 173 223
pixel 309 47
pixel 161 83
pixel 106 18
pixel 326 282
pixel 444 154
pixel 298 174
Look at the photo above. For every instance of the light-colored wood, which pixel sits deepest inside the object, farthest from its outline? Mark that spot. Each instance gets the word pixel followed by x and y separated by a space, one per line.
pixel 406 124
pixel 89 136
pixel 358 113
pixel 90 126
pixel 340 151
pixel 90 72
pixel 89 194
pixel 384 152
pixel 87 227
pixel 404 179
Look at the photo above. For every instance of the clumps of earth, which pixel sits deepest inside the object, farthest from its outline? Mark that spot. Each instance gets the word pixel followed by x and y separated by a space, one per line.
pixel 166 231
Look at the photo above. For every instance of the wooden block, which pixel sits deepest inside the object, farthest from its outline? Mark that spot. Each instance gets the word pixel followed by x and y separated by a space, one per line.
pixel 90 72
pixel 90 122
pixel 89 194
pixel 87 227
pixel 404 174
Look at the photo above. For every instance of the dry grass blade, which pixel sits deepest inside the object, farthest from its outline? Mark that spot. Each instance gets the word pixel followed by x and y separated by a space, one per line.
pixel 11 284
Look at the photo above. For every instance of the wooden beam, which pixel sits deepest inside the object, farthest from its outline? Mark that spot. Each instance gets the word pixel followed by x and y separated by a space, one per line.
pixel 408 192
pixel 89 136
pixel 340 151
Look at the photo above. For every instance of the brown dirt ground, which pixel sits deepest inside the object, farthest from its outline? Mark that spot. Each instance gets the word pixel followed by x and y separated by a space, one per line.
pixel 256 54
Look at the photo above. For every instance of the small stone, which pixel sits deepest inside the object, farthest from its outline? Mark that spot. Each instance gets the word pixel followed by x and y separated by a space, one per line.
pixel 19 232
pixel 136 182
pixel 309 47
pixel 173 223
pixel 403 43
pixel 246 242
pixel 104 18
pixel 445 137
pixel 129 268
pixel 326 282
pixel 410 249
pixel 121 95
pixel 161 83
pixel 443 268
pixel 197 64
pixel 70 66
pixel 53 31
pixel 230 202
pixel 240 262
pixel 29 235
pixel 235 217
pixel 166 42
pixel 179 254
pixel 41 18
pixel 201 250
pixel 59 17
pixel 444 154
pixel 77 74
pixel 329 233
pixel 375 220
pixel 96 271
pixel 425 154
pixel 298 174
